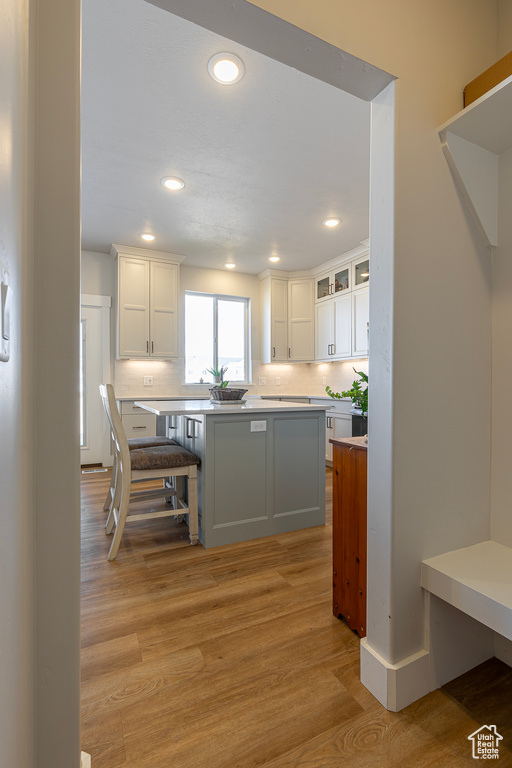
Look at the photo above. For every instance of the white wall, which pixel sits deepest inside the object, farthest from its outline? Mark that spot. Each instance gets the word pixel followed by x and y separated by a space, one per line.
pixel 97 274
pixel 501 518
pixel 39 508
pixel 440 363
pixel 16 409
pixel 55 181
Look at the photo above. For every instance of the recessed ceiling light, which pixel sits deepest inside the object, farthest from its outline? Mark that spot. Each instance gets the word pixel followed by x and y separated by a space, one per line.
pixel 230 265
pixel 273 258
pixel 172 182
pixel 147 236
pixel 226 68
pixel 333 221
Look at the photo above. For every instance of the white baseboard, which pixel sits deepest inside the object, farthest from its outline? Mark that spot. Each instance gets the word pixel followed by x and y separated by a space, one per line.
pixel 395 685
pixel 85 760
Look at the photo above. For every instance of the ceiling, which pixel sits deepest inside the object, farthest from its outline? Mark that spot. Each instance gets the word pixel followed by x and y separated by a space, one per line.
pixel 264 161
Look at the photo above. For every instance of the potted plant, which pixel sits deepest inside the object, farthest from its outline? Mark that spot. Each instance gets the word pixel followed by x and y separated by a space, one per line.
pixel 359 397
pixel 218 375
pixel 220 392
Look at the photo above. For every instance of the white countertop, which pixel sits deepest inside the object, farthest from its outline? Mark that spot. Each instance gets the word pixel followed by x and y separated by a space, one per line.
pixel 130 399
pixel 163 407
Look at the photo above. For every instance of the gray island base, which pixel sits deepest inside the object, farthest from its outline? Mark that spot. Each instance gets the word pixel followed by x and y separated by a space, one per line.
pixel 262 466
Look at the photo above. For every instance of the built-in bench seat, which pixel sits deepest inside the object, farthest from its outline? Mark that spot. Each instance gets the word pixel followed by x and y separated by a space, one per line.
pixel 477 580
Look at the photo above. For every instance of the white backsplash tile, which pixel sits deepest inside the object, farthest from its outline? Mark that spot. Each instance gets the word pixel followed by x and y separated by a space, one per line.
pixel 296 379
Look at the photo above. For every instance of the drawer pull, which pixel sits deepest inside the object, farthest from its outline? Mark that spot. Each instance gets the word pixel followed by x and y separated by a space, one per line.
pixel 139 427
pixel 193 422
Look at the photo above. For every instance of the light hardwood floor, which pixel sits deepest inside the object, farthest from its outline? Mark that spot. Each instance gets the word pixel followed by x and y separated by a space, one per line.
pixel 231 658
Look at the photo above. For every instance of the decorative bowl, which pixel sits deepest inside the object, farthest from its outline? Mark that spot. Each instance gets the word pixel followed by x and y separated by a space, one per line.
pixel 226 394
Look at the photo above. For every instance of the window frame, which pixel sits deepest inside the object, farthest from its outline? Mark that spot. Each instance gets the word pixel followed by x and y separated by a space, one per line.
pixel 246 301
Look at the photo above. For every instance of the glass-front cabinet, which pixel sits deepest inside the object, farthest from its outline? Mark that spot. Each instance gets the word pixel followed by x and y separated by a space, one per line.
pixel 335 282
pixel 361 273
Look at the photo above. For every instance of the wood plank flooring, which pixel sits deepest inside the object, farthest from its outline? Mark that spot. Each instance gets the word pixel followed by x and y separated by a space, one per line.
pixel 231 658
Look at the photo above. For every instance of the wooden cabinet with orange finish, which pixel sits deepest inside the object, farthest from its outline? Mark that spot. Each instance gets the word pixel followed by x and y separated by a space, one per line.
pixel 349 531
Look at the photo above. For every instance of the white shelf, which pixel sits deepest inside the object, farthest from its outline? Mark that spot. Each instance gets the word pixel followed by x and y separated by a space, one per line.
pixel 487 122
pixel 477 580
pixel 472 142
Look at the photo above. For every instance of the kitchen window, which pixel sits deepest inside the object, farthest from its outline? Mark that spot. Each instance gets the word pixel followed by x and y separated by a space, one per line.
pixel 216 335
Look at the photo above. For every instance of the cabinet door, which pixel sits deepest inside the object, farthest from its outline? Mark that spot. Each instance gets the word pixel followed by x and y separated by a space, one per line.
pixel 361 272
pixel 323 330
pixel 323 288
pixel 133 308
pixel 164 310
pixel 342 308
pixel 279 320
pixel 342 279
pixel 300 319
pixel 361 322
pixel 337 425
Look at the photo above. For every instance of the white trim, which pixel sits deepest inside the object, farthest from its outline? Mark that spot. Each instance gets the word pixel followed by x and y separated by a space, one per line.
pixel 85 760
pixel 395 685
pixel 130 250
pixel 104 303
pixel 327 266
pixel 91 300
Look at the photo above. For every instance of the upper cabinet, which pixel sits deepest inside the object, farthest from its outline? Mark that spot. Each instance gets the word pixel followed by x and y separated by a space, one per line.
pixel 301 308
pixel 320 318
pixel 147 303
pixel 287 318
pixel 342 308
pixel 335 282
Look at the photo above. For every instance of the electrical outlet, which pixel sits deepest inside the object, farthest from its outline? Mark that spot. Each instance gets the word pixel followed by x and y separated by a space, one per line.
pixel 278 380
pixel 148 381
pixel 324 380
pixel 262 380
pixel 258 426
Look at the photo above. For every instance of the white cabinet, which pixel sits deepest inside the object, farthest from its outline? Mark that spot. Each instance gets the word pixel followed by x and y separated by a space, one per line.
pixel 147 305
pixel 342 310
pixel 136 421
pixel 300 319
pixel 333 329
pixel 334 282
pixel 274 320
pixel 163 307
pixel 338 422
pixel 360 322
pixel 337 425
pixel 287 319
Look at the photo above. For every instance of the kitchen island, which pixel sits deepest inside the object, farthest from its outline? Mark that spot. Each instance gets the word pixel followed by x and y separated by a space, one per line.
pixel 262 466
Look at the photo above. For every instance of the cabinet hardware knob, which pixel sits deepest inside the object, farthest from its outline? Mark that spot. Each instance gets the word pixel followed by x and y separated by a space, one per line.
pixel 273 351
pixel 360 591
pixel 335 573
pixel 289 352
pixel 147 346
pixel 347 582
pixel 152 347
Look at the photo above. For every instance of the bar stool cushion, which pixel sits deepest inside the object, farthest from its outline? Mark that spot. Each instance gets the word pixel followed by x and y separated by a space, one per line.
pixel 162 457
pixel 149 442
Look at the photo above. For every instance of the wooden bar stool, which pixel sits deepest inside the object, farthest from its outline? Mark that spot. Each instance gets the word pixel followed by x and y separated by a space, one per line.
pixel 141 464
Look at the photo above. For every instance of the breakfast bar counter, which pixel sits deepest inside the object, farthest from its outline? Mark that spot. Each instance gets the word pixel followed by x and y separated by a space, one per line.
pixel 262 468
